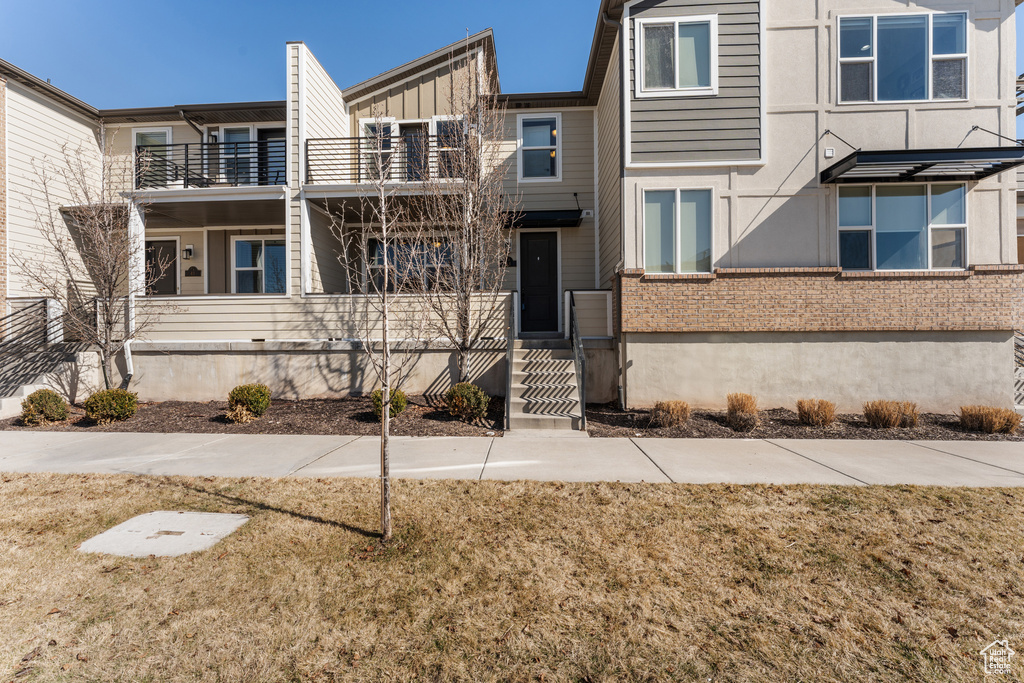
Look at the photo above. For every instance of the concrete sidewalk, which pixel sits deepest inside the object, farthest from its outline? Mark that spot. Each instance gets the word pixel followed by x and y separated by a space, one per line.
pixel 698 461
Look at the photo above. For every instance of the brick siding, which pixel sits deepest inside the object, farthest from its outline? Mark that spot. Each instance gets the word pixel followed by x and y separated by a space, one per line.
pixel 823 299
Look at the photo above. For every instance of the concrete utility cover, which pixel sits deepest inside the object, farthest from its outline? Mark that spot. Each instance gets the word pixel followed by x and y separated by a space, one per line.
pixel 164 534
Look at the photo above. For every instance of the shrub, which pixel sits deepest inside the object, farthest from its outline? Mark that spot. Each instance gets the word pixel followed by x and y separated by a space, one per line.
pixel 246 402
pixel 398 402
pixel 815 412
pixel 742 413
pixel 989 419
pixel 890 414
pixel 43 405
pixel 670 413
pixel 111 405
pixel 467 401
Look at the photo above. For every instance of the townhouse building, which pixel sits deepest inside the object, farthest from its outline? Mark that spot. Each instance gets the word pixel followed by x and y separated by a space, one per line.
pixel 802 198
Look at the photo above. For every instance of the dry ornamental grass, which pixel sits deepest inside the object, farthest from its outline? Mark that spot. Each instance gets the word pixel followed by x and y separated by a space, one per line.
pixel 989 419
pixel 891 414
pixel 742 412
pixel 816 412
pixel 516 581
pixel 670 413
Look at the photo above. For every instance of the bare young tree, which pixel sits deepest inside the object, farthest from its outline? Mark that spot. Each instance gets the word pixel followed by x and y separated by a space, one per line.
pixel 87 211
pixel 378 252
pixel 465 206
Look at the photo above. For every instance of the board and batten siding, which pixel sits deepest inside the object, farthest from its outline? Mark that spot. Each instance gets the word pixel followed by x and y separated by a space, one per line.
pixel 577 244
pixel 609 169
pixel 37 131
pixel 418 97
pixel 723 127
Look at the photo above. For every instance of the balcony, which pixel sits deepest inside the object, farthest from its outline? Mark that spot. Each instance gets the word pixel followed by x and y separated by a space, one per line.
pixel 211 164
pixel 399 159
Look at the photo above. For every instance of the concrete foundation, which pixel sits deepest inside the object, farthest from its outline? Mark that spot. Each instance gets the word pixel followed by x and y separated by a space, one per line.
pixel 940 371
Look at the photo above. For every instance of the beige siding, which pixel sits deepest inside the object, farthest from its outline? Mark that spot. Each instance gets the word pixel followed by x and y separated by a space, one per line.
pixel 323 106
pixel 327 276
pixel 609 169
pixel 294 143
pixel 37 130
pixel 318 318
pixel 593 310
pixel 577 244
pixel 420 97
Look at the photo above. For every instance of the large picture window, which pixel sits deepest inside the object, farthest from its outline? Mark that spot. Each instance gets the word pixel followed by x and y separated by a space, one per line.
pixel 677 56
pixel 677 231
pixel 902 227
pixel 258 266
pixel 903 57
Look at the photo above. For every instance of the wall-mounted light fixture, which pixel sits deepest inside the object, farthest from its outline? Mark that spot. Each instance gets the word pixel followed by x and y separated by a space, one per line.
pixel 186 253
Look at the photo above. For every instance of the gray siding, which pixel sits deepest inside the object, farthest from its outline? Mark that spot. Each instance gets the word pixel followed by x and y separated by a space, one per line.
pixel 725 127
pixel 609 169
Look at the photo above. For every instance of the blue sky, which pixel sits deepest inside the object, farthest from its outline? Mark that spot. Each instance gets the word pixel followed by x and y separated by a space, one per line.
pixel 121 53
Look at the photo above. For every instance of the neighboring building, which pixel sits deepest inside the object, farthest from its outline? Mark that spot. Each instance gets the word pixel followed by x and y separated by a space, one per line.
pixel 812 198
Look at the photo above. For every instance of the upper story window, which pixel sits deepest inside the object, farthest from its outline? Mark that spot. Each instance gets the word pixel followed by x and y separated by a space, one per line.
pixel 899 58
pixel 540 147
pixel 902 227
pixel 677 231
pixel 677 56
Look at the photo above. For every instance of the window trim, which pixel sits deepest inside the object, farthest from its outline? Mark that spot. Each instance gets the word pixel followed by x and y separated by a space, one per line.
pixel 559 134
pixel 676 260
pixel 264 239
pixel 928 208
pixel 873 60
pixel 638 64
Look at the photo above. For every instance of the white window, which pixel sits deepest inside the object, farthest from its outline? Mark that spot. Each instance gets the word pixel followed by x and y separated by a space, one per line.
pixel 258 265
pixel 900 226
pixel 677 231
pixel 153 163
pixel 903 57
pixel 677 56
pixel 540 147
pixel 450 142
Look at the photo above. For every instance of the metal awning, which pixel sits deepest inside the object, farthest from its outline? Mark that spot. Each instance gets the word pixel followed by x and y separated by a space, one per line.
pixel 923 165
pixel 545 219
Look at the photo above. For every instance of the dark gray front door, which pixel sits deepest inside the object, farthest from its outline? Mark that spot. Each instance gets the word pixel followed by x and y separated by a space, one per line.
pixel 538 281
pixel 162 255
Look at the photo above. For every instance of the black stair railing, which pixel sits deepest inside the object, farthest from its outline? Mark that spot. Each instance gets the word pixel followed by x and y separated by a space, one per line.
pixel 579 359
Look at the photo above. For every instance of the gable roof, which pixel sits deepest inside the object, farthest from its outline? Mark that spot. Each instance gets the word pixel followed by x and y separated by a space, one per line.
pixel 31 82
pixel 484 39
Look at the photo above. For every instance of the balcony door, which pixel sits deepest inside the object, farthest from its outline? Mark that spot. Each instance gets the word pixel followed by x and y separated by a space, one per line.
pixel 152 167
pixel 236 155
pixel 416 152
pixel 270 156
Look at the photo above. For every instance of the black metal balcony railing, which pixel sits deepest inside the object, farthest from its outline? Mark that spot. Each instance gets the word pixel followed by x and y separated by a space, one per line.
pixel 211 164
pixel 401 159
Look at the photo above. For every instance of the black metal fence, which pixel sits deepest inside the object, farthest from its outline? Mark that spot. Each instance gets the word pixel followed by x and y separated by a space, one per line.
pixel 392 159
pixel 211 164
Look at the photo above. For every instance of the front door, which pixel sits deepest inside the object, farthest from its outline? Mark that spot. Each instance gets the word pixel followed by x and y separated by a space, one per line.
pixel 161 267
pixel 538 281
pixel 270 160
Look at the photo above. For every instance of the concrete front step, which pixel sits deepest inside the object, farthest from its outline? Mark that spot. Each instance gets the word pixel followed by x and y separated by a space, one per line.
pixel 559 391
pixel 542 354
pixel 545 422
pixel 538 366
pixel 542 344
pixel 561 407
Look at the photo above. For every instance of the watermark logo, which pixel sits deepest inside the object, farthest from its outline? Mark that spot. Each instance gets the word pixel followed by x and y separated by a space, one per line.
pixel 997 657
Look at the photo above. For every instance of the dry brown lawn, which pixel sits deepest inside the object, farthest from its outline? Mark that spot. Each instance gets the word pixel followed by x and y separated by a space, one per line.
pixel 512 581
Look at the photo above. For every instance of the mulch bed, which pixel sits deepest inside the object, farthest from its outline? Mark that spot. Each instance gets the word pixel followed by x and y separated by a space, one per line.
pixel 349 416
pixel 606 420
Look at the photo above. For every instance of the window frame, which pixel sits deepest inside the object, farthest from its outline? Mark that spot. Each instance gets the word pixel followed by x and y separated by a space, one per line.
pixel 676 218
pixel 438 149
pixel 932 57
pixel 928 208
pixel 263 268
pixel 520 148
pixel 638 63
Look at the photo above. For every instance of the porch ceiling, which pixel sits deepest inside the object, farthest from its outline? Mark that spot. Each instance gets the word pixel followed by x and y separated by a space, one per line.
pixel 221 213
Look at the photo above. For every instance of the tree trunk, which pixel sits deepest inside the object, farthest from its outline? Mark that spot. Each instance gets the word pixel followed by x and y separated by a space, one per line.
pixel 385 423
pixel 105 366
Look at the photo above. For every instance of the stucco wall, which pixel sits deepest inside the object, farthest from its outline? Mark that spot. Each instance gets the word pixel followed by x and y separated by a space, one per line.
pixel 939 370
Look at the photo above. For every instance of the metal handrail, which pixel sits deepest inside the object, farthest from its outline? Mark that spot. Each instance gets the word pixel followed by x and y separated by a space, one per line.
pixel 398 158
pixel 513 319
pixel 1018 348
pixel 211 164
pixel 579 359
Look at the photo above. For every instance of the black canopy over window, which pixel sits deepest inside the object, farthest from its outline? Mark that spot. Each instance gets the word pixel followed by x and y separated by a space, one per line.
pixel 923 165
